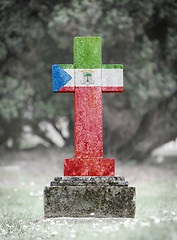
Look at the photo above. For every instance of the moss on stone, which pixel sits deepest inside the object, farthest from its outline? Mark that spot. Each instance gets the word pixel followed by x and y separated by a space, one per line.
pixel 81 201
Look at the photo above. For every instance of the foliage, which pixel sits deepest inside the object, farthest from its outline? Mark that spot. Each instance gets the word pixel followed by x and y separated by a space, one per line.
pixel 36 34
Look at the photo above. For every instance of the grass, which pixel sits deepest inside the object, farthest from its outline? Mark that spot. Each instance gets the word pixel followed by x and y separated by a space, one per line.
pixel 21 202
pixel 21 216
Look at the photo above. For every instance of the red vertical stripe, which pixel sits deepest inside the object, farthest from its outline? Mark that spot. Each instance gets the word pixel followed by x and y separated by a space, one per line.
pixel 88 122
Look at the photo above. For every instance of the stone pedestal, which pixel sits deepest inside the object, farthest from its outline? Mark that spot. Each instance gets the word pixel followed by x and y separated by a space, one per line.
pixel 89 197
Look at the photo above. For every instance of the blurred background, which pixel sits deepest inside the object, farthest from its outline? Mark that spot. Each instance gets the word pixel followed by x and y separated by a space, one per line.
pixel 37 126
pixel 139 34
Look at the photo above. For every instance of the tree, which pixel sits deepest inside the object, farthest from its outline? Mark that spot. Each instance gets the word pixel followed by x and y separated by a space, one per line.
pixel 87 75
pixel 141 35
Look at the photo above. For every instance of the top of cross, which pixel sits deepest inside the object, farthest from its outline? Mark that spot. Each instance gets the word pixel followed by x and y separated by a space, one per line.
pixel 87 57
pixel 87 52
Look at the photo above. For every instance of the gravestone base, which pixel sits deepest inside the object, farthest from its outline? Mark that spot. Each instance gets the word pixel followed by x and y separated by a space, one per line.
pixel 99 197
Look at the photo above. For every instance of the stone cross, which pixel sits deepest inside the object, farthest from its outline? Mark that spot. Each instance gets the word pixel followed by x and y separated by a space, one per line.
pixel 88 78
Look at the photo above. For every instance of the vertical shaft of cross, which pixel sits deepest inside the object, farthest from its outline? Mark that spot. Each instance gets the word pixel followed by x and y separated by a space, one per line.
pixel 88 122
pixel 88 159
pixel 88 102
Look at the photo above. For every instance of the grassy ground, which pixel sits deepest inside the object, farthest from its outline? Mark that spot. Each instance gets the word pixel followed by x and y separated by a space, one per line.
pixel 21 203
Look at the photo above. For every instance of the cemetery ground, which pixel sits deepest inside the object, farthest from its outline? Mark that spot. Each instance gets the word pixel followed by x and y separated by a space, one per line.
pixel 23 176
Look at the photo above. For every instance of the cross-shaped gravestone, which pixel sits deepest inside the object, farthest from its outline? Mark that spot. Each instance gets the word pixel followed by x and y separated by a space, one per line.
pixel 88 78
pixel 96 196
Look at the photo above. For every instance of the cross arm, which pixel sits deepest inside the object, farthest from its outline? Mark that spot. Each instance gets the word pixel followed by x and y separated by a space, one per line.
pixel 63 78
pixel 112 78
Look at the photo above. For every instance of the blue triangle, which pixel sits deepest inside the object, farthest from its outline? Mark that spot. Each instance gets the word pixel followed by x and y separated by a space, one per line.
pixel 60 77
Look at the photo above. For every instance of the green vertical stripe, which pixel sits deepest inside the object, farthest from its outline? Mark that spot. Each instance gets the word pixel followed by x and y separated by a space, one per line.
pixel 112 66
pixel 87 52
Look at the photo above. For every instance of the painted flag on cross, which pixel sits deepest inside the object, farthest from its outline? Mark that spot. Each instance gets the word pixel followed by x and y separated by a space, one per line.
pixel 60 77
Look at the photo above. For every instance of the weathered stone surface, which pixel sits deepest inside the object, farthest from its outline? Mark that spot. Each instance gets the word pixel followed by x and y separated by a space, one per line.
pixel 84 181
pixel 86 196
pixel 90 197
